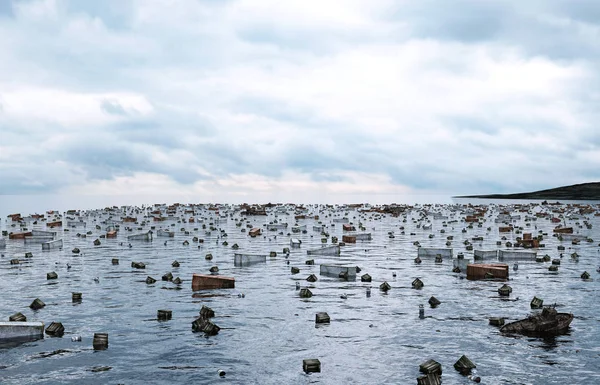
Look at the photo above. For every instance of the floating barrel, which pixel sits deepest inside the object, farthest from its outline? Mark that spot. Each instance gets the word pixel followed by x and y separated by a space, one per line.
pixel 100 341
pixel 164 315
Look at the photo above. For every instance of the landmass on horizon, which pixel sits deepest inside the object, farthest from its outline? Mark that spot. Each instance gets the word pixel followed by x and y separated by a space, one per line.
pixel 582 191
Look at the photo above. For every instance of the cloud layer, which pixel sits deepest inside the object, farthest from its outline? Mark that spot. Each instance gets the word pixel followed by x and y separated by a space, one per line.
pixel 285 98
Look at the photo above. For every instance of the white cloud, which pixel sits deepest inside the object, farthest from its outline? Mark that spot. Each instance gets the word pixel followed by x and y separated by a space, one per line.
pixel 248 97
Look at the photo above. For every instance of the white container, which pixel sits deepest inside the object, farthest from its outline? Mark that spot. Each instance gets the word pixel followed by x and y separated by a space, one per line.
pixel 486 254
pixel 431 252
pixel 516 255
pixel 248 259
pixel 52 245
pixel 17 330
pixel 140 237
pixel 327 250
pixel 335 270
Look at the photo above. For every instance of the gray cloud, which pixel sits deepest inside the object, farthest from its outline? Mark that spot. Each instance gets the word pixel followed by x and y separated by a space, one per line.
pixel 113 107
pixel 462 96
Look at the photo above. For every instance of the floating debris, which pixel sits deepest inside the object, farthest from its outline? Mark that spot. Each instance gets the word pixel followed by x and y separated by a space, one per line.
pixel 164 315
pixel 496 321
pixel 322 318
pixel 464 365
pixel 305 293
pixel 55 329
pixel 417 283
pixel 100 341
pixel 385 287
pixel 311 365
pixel 434 302
pixel 37 304
pixel 537 303
pixel 17 317
pixel 548 323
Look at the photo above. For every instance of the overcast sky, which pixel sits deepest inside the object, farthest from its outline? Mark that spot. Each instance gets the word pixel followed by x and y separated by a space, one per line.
pixel 281 100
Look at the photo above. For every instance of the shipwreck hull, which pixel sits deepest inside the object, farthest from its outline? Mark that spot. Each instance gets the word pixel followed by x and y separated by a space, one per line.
pixel 539 326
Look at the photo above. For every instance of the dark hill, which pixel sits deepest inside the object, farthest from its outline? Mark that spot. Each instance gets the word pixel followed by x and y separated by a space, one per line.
pixel 583 191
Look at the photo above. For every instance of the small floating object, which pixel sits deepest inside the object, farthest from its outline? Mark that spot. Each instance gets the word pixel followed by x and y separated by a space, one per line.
pixel 496 321
pixel 385 287
pixel 305 293
pixel 167 277
pixel 115 261
pixel 536 303
pixel 434 302
pixel 164 315
pixel 311 365
pixel 516 267
pixel 322 318
pixel 553 268
pixel 365 278
pixel 52 275
pixel 208 257
pixel 221 373
pixel 206 312
pixel 585 275
pixel 76 297
pixel 464 365
pixel 76 251
pixel 204 325
pixel 214 269
pixel 37 304
pixel 417 283
pixel 17 317
pixel 418 260
pixel 138 265
pixel 100 341
pixel 177 281
pixel 295 270
pixel 297 285
pixel 505 290
pixel 312 278
pixel 175 264
pixel 344 296
pixel 421 311
pixel 76 339
pixel 150 280
pixel 431 367
pixel 456 269
pixel 55 329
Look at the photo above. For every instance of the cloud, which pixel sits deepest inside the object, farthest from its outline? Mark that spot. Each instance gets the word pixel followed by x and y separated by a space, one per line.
pixel 250 97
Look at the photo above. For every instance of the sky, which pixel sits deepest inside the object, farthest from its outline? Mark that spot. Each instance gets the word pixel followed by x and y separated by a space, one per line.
pixel 297 100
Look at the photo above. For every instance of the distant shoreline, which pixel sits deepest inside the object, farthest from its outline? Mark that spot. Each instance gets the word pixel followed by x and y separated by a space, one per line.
pixel 576 192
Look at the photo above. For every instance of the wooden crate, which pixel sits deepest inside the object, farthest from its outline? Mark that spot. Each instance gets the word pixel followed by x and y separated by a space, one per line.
pixel 478 271
pixel 203 281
